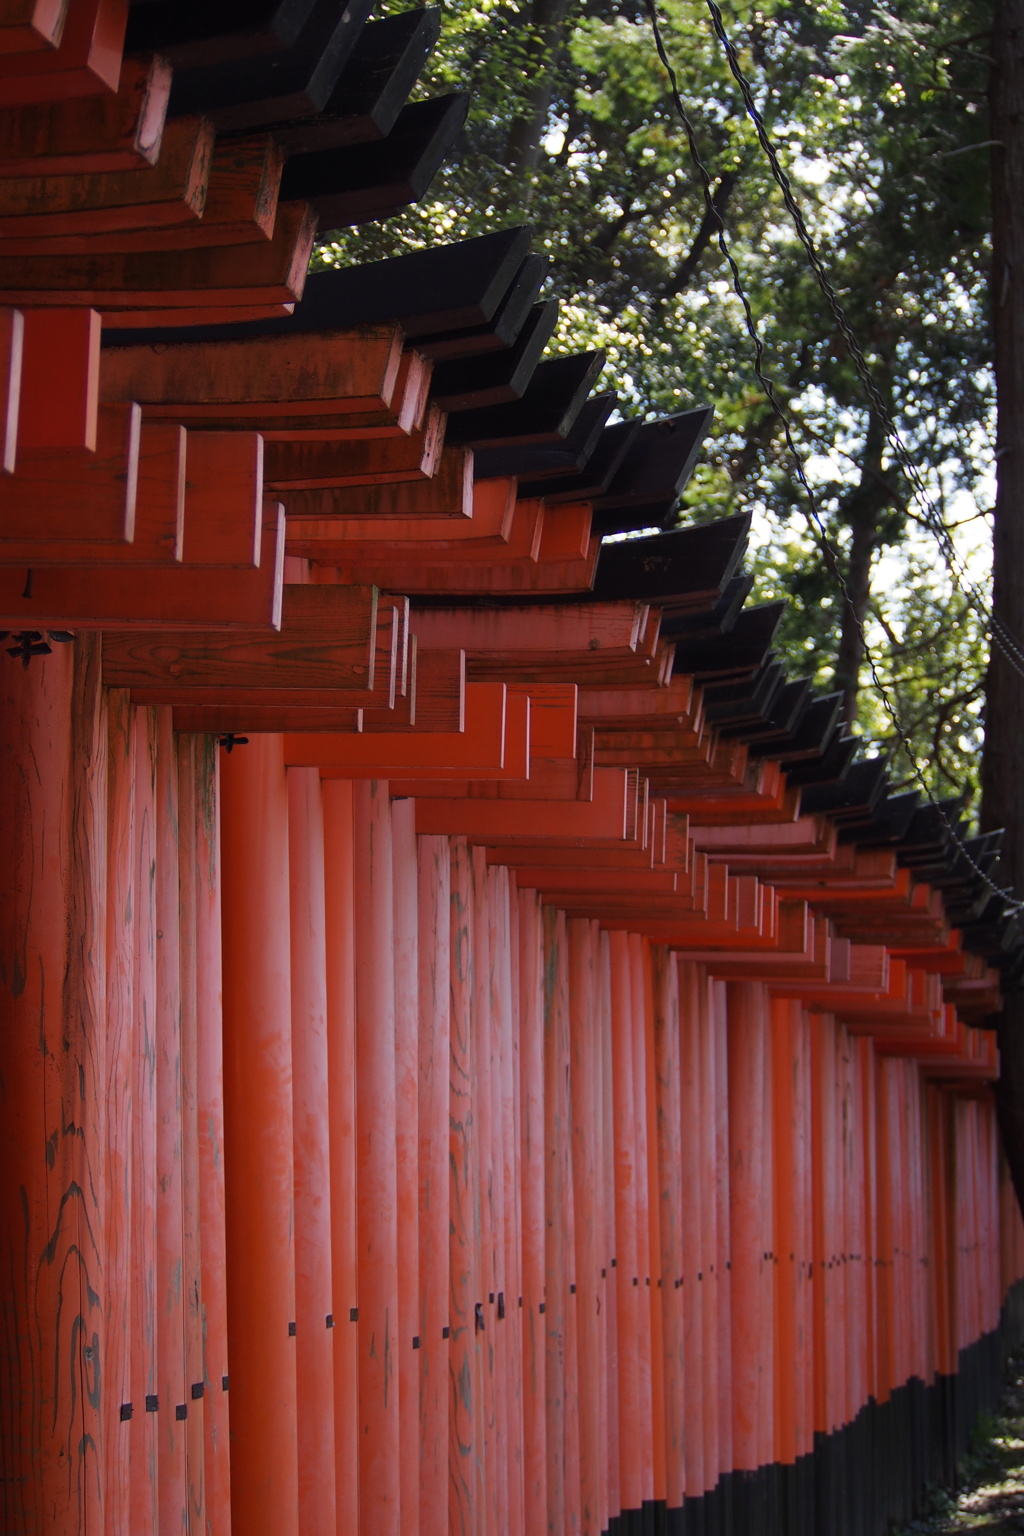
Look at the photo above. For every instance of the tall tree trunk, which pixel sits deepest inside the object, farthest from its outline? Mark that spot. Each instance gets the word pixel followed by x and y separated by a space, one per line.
pixel 851 645
pixel 861 510
pixel 1003 762
pixel 546 22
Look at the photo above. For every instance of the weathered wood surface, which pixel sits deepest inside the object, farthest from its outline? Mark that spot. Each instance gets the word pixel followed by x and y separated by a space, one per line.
pixel 90 134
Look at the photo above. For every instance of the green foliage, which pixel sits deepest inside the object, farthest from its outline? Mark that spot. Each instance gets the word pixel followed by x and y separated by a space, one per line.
pixel 874 112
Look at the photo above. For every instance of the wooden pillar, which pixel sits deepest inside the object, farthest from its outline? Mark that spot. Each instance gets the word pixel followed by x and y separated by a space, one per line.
pixel 145 1383
pixel 259 1138
pixel 407 983
pixel 210 1116
pixel 434 956
pixel 50 1476
pixel 751 1352
pixel 697 1123
pixel 483 1049
pixel 465 1453
pixel 563 1470
pixel 314 1289
pixel 531 1131
pixel 642 1273
pixel 376 1204
pixel 581 935
pixel 626 1257
pixel 341 1093
pixel 191 1263
pixel 120 989
pixel 506 946
pixel 669 1163
pixel 718 1237
pixel 611 1494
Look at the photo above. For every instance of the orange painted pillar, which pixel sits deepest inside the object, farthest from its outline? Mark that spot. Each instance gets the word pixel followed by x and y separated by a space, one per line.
pixel 210 1116
pixel 145 1384
pixel 611 1501
pixel 377 1194
pixel 669 1162
pixel 645 1378
pixel 434 956
pixel 718 1249
pixel 581 935
pixel 697 1136
pixel 505 946
pixel 43 1428
pixel 192 1280
pixel 789 1112
pixel 120 982
pixel 407 981
pixel 339 931
pixel 170 1300
pixel 563 1472
pixel 751 1352
pixel 465 1445
pixel 531 1134
pixel 642 968
pixel 258 1135
pixel 827 1326
pixel 486 1233
pixel 314 1288
pixel 626 1255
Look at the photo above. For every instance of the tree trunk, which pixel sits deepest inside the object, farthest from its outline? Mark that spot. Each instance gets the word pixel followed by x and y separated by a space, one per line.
pixel 547 24
pixel 1003 762
pixel 861 510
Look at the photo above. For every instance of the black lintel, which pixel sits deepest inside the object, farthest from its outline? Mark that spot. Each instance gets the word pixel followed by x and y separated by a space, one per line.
pixel 683 616
pixel 651 517
pixel 699 560
pixel 774 736
pixel 197 32
pixel 738 703
pixel 860 790
pixel 742 650
pixel 372 89
pixel 546 413
pixel 504 326
pixel 447 285
pixel 830 768
pixel 498 377
pixel 269 88
pixel 660 460
pixel 890 819
pixel 372 181
pixel 555 472
pixel 815 730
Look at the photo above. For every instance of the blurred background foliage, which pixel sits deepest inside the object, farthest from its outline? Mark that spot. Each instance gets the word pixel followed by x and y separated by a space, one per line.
pixel 879 116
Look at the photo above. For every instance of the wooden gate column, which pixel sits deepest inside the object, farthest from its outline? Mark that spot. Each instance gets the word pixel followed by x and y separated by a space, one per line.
pixel 314 1314
pixel 376 1205
pixel 258 1138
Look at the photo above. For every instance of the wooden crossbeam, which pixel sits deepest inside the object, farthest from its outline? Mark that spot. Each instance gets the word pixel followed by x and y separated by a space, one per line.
pixel 157 517
pixel 179 598
pixel 170 192
pixel 86 60
pixel 327 640
pixel 295 465
pixel 12 338
pixel 266 272
pixel 29 25
pixel 73 495
pixel 257 380
pixel 235 201
pixel 480 746
pixel 60 379
pixel 90 135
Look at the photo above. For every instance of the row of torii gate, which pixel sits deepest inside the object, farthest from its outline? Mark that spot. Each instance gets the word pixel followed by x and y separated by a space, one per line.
pixel 477 1054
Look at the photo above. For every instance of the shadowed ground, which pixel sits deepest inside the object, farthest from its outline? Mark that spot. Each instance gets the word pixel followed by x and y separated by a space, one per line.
pixel 990 1495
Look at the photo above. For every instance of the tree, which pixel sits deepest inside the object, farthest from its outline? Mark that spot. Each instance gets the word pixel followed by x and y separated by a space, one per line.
pixel 1003 802
pixel 881 120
